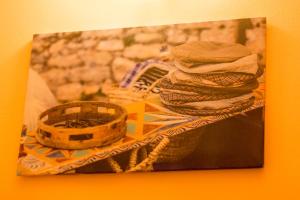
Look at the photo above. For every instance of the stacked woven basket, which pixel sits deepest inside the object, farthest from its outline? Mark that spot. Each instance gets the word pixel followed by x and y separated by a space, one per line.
pixel 210 79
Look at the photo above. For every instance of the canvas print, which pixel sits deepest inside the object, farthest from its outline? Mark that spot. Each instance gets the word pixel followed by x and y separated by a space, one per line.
pixel 157 98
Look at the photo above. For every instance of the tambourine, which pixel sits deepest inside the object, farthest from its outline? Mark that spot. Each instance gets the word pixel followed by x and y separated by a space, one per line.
pixel 81 125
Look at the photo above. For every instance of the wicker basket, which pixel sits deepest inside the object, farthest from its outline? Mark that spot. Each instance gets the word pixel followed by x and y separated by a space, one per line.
pixel 247 87
pixel 80 125
pixel 237 107
pixel 180 146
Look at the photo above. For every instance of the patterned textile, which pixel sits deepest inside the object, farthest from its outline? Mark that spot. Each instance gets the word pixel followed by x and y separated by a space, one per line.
pixel 179 97
pixel 127 80
pixel 212 105
pixel 236 107
pixel 148 79
pixel 218 79
pixel 210 78
pixel 165 83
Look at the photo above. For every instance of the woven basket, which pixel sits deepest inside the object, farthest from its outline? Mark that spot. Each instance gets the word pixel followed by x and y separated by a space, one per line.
pixel 180 146
pixel 237 107
pixel 176 97
pixel 80 125
pixel 247 87
pixel 223 79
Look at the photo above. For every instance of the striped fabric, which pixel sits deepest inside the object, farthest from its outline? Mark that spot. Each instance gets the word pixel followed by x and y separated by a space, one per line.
pixel 127 80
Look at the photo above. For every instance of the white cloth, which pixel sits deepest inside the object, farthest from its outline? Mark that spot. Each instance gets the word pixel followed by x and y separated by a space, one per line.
pixel 247 64
pixel 38 99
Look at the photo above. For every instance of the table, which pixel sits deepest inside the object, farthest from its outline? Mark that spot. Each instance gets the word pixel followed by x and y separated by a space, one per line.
pixel 148 123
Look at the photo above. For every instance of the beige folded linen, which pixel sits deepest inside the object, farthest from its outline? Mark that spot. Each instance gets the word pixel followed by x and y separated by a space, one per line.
pixel 179 77
pixel 211 105
pixel 223 79
pixel 209 52
pixel 247 64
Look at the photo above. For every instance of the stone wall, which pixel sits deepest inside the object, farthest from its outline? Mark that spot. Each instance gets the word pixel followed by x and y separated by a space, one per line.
pixel 77 65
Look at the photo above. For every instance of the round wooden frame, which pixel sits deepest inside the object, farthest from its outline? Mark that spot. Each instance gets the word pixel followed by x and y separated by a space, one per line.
pixel 81 138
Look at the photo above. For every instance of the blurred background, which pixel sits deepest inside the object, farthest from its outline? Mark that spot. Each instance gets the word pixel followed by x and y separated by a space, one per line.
pixel 78 65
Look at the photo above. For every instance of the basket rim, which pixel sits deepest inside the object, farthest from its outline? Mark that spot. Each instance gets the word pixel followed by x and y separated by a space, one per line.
pixel 44 126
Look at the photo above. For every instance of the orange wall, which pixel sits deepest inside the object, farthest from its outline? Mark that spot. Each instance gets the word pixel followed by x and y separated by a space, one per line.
pixel 279 178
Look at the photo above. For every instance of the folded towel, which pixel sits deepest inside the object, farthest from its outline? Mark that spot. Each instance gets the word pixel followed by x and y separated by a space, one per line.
pixel 246 64
pixel 209 52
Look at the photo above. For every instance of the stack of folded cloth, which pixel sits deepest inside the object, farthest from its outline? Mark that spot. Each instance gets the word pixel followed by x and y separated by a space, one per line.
pixel 210 79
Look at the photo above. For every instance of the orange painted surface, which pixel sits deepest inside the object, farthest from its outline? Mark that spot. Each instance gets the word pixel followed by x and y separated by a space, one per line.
pixel 280 177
